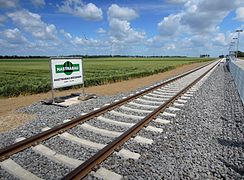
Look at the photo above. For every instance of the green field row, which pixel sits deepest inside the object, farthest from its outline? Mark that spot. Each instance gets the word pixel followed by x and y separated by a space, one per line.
pixel 22 76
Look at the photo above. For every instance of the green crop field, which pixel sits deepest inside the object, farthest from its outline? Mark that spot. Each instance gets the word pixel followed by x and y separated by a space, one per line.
pixel 29 76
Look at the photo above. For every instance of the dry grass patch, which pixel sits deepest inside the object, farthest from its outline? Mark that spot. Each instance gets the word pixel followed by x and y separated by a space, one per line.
pixel 14 119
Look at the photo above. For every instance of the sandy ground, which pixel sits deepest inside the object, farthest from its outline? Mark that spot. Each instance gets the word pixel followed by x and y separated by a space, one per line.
pixel 10 119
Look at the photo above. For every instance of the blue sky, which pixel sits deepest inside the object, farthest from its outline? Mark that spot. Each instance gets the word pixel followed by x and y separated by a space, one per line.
pixel 125 27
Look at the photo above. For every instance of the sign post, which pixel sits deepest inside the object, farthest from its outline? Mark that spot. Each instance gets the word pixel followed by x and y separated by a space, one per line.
pixel 66 72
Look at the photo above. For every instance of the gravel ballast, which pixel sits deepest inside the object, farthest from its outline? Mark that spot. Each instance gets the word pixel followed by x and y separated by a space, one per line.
pixel 51 116
pixel 204 141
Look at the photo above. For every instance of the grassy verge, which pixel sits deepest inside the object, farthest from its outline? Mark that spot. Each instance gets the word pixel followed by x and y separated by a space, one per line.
pixel 25 76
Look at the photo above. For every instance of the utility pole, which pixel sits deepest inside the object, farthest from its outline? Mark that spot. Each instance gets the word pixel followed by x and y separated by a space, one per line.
pixel 87 41
pixel 232 44
pixel 238 37
pixel 235 47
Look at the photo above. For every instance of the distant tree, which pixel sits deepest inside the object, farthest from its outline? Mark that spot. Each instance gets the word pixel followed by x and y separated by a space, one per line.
pixel 204 55
pixel 240 54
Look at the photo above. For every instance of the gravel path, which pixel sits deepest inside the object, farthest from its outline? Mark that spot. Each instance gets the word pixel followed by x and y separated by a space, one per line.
pixel 205 141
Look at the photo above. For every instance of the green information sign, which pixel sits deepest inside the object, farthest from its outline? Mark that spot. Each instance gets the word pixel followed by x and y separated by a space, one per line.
pixel 67 68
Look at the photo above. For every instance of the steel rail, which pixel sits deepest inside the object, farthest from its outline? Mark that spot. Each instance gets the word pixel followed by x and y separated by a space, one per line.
pixel 86 167
pixel 6 152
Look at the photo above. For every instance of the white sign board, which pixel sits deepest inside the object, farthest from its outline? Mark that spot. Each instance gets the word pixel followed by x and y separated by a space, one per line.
pixel 66 72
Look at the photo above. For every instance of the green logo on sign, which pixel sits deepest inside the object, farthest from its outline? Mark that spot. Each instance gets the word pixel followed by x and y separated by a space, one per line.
pixel 67 68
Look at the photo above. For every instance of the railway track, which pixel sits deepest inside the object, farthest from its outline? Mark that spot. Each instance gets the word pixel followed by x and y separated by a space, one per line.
pixel 156 104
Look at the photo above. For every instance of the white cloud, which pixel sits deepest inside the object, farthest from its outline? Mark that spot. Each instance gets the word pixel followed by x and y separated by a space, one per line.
pixel 220 39
pixel 120 27
pixel 32 23
pixel 101 31
pixel 198 18
pixel 72 41
pixel 169 25
pixel 44 47
pixel 191 6
pixel 66 34
pixel 8 3
pixel 171 47
pixel 78 41
pixel 195 27
pixel 38 3
pixel 13 36
pixel 122 13
pixel 204 16
pixel 217 5
pixel 122 31
pixel 240 14
pixel 199 40
pixel 77 8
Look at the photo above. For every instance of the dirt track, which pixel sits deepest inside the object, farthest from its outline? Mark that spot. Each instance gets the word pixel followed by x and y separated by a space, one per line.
pixel 10 119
